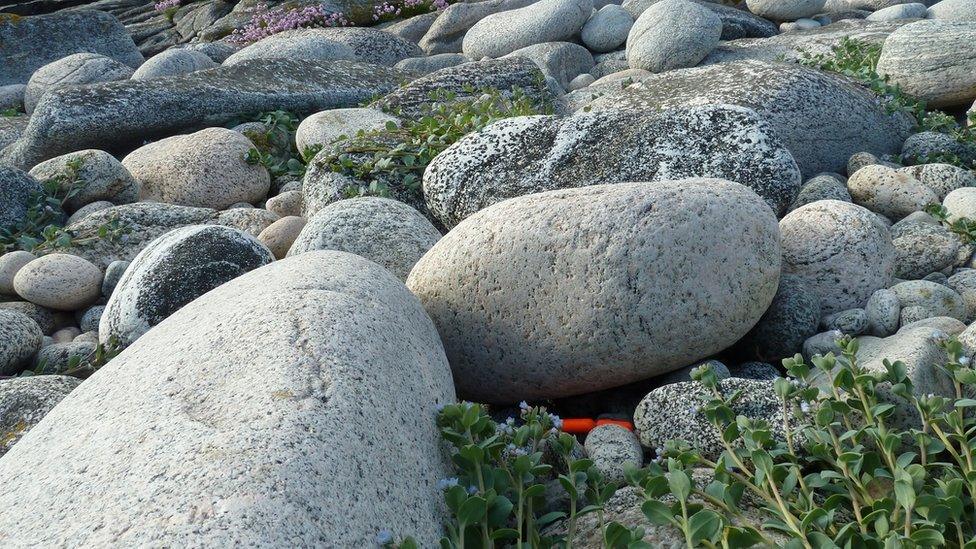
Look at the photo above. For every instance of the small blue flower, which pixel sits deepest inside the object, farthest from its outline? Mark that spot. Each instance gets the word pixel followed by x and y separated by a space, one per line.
pixel 964 360
pixel 524 405
pixel 557 422
pixel 384 537
pixel 472 489
pixel 805 407
pixel 445 483
pixel 440 408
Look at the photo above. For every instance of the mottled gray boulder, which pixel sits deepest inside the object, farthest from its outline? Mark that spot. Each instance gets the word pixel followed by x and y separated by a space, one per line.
pixel 841 250
pixel 672 34
pixel 412 28
pixel 942 179
pixel 325 127
pixel 607 29
pixel 933 61
pixel 206 169
pixel 674 412
pixel 116 115
pixel 785 10
pixel 851 322
pixel 543 21
pixel 953 10
pixel 16 192
pixel 10 263
pixel 371 45
pixel 25 400
pixel 429 64
pixel 922 248
pixel 920 147
pixel 387 232
pixel 963 281
pixel 511 316
pixel 20 339
pixel 921 299
pixel 893 194
pixel 292 448
pixel 447 32
pixel 736 23
pixel 32 42
pixel 560 60
pixel 413 100
pixel 48 320
pixel 76 69
pixel 64 355
pixel 173 62
pixel 172 271
pixel 901 11
pixel 792 317
pixel 59 281
pixel 528 154
pixel 295 44
pixel 821 118
pixel 611 447
pixel 96 175
pixel 821 187
pixel 12 97
pixel 884 313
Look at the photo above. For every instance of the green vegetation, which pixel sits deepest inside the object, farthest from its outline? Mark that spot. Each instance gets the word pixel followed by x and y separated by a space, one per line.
pixel 81 366
pixel 275 148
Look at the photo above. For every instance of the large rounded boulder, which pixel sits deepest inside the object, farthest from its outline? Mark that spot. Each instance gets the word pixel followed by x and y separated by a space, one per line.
pixel 172 271
pixel 264 414
pixel 573 291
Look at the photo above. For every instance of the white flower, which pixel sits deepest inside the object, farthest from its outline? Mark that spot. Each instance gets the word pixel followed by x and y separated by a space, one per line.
pixel 964 360
pixel 805 407
pixel 445 483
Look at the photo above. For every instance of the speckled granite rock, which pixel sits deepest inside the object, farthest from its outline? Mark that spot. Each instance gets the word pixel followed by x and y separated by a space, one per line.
pixel 172 271
pixel 791 318
pixel 20 339
pixel 512 288
pixel 543 21
pixel 447 32
pixel 74 70
pixel 921 299
pixel 528 154
pixel 922 248
pixel 325 348
pixel 100 175
pixel 932 60
pixel 24 401
pixel 173 62
pixel 16 190
pixel 610 447
pixel 295 44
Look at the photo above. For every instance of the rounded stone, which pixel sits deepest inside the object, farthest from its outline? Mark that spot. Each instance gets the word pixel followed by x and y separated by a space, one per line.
pixel 841 250
pixel 173 62
pixel 66 335
pixel 963 281
pixel 24 401
pixel 607 29
pixel 10 263
pixel 884 313
pixel 513 287
pixel 921 147
pixel 20 339
pixel 611 447
pixel 786 10
pixel 961 203
pixel 891 193
pixel 922 248
pixel 93 174
pixel 791 318
pixel 280 235
pixel 953 10
pixel 87 210
pixel 88 321
pixel 581 81
pixel 821 187
pixel 385 231
pixel 79 68
pixel 48 320
pixel 672 34
pixel 113 273
pixel 17 192
pixel 850 322
pixel 921 299
pixel 324 127
pixel 543 21
pixel 59 281
pixel 941 178
pixel 172 271
pixel 285 204
pixel 432 63
pixel 901 11
pixel 62 356
pixel 204 169
pixel 295 44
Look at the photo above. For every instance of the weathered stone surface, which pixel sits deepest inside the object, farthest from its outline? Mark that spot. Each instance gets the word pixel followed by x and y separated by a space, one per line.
pixel 429 64
pixel 280 235
pixel 117 115
pixel 20 339
pixel 76 69
pixel 953 10
pixel 821 118
pixel 884 313
pixel 293 448
pixel 543 21
pixel 172 271
pixel 527 154
pixel 933 61
pixel 611 447
pixel 173 62
pixel 48 320
pixel 32 42
pixel 412 28
pixel 25 400
pixel 893 194
pixel 922 146
pixel 922 248
pixel 97 175
pixel 387 232
pixel 372 45
pixel 941 178
pixel 913 10
pixel 841 250
pixel 560 60
pixel 64 353
pixel 59 281
pixel 16 192
pixel 736 23
pixel 607 29
pixel 791 318
pixel 821 187
pixel 513 287
pixel 10 263
pixel 325 127
pixel 295 44
pixel 785 10
pixel 672 34
pixel 446 33
pixel 921 299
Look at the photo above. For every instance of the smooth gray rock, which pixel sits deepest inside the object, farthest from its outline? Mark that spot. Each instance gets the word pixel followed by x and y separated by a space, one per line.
pixel 387 232
pixel 512 287
pixel 563 61
pixel 59 281
pixel 607 29
pixel 923 248
pixel 913 10
pixel 933 61
pixel 893 194
pixel 24 401
pixel 611 447
pixel 736 23
pixel 672 34
pixel 921 299
pixel 963 281
pixel 429 64
pixel 371 45
pixel 98 176
pixel 884 313
pixel 20 339
pixel 543 21
pixel 850 322
pixel 953 10
pixel 32 42
pixel 76 69
pixel 17 190
pixel 822 343
pixel 581 81
pixel 841 250
pixel 413 28
pixel 323 128
pixel 117 115
pixel 821 118
pixel 173 62
pixel 10 263
pixel 821 187
pixel 785 10
pixel 528 154
pixel 324 350
pixel 447 32
pixel 172 271
pixel 295 44
pixel 792 317
pixel 961 203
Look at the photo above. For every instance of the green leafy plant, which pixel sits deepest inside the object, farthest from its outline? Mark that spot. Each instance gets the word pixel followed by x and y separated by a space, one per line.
pixel 275 148
pixel 81 366
pixel 11 112
pixel 963 227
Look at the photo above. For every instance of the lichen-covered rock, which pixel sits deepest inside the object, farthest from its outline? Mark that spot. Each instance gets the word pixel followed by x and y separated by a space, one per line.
pixel 116 115
pixel 173 62
pixel 295 44
pixel 821 118
pixel 923 248
pixel 20 339
pixel 611 447
pixel 942 179
pixel 33 42
pixel 672 34
pixel 921 299
pixel 543 21
pixel 324 351
pixel 76 69
pixel 94 176
pixel 324 127
pixel 17 189
pixel 513 287
pixel 528 154
pixel 387 232
pixel 933 61
pixel 24 401
pixel 59 281
pixel 841 250
pixel 206 169
pixel 371 45
pixel 447 32
pixel 172 271
pixel 792 317
pixel 893 194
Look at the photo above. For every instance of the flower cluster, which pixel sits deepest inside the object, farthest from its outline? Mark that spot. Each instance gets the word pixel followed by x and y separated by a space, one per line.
pixel 266 22
pixel 164 5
